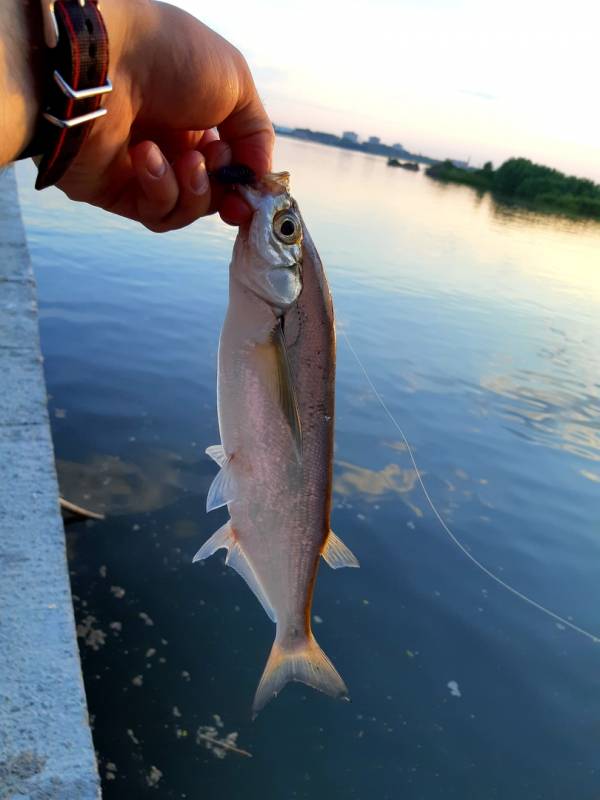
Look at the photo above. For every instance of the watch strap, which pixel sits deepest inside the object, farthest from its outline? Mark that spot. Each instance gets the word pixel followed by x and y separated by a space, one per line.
pixel 75 80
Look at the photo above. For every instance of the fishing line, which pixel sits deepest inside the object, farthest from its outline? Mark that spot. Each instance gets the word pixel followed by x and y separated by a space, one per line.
pixel 449 533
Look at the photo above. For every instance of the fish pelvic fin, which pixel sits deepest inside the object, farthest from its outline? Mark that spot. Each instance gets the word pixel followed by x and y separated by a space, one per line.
pixel 217 453
pixel 336 554
pixel 226 538
pixel 305 663
pixel 222 489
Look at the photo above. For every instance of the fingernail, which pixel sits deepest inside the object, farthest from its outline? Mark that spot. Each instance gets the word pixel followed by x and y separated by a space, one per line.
pixel 199 179
pixel 155 163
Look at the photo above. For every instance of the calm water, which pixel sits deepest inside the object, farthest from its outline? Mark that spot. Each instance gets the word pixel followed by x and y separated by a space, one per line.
pixel 480 327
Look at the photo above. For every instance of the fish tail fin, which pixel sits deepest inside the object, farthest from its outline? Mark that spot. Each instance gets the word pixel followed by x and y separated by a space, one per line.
pixel 306 663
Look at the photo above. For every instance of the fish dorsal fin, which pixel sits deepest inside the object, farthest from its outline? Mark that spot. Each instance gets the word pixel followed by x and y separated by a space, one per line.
pixel 226 538
pixel 286 391
pixel 336 554
pixel 217 453
pixel 222 489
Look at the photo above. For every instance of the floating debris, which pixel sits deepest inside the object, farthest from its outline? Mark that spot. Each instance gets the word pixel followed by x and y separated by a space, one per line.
pixel 153 777
pixel 138 680
pixel 102 571
pixel 111 771
pixel 147 619
pixel 132 736
pixel 454 690
pixel 208 736
pixel 92 637
pixel 118 591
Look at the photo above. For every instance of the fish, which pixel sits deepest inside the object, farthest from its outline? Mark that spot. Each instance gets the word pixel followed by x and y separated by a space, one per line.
pixel 275 401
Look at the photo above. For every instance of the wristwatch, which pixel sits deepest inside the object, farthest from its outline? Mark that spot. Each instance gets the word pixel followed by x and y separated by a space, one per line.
pixel 75 79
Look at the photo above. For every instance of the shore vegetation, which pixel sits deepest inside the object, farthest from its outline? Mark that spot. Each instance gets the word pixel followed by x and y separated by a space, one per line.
pixel 521 180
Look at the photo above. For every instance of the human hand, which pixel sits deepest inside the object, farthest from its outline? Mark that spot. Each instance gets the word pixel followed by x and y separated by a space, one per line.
pixel 175 80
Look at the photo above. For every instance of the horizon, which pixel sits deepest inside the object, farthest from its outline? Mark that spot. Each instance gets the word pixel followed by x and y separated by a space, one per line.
pixel 478 85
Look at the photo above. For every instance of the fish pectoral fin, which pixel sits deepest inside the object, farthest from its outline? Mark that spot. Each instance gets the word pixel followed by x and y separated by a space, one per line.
pixel 336 554
pixel 286 391
pixel 222 489
pixel 226 538
pixel 221 538
pixel 217 453
pixel 307 664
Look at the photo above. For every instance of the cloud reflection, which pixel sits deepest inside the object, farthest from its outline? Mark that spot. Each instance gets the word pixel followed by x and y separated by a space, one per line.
pixel 372 484
pixel 550 414
pixel 111 486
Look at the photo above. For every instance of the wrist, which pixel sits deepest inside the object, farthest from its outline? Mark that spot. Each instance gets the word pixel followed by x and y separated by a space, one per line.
pixel 131 27
pixel 20 53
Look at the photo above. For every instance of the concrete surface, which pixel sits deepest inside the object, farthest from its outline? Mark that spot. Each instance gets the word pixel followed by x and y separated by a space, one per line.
pixel 46 750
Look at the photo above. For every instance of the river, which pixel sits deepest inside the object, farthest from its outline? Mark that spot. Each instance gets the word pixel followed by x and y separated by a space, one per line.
pixel 479 326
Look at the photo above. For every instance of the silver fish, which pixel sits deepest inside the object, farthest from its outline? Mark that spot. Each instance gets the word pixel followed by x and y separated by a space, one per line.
pixel 275 396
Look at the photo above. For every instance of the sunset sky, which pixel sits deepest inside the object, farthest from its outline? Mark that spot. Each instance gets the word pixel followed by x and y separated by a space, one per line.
pixel 457 78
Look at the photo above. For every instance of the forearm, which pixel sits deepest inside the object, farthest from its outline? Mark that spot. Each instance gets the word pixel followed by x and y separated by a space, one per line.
pixel 18 101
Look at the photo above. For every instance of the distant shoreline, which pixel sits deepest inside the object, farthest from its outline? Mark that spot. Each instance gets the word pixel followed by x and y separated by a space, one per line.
pixel 372 148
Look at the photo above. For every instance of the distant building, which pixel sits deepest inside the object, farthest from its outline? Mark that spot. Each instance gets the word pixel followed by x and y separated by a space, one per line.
pixel 398 146
pixel 350 136
pixel 282 129
pixel 373 140
pixel 460 164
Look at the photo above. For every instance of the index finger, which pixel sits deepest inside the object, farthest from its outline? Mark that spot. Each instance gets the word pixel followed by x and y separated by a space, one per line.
pixel 249 133
pixel 254 151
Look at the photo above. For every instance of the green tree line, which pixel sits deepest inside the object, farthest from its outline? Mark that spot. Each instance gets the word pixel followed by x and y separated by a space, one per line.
pixel 534 184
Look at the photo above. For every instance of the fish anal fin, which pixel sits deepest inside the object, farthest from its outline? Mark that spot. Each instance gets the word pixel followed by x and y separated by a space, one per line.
pixel 237 559
pixel 306 663
pixel 217 453
pixel 336 554
pixel 224 537
pixel 222 489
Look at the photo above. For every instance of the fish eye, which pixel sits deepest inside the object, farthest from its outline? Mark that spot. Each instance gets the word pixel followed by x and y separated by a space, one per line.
pixel 286 227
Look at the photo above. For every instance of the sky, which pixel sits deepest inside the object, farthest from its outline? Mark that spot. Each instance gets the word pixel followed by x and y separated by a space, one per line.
pixel 463 79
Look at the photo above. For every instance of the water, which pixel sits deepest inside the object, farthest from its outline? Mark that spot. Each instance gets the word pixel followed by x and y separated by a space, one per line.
pixel 479 326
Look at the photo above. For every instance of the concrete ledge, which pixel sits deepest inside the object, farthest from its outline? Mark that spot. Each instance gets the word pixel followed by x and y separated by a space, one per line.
pixel 46 750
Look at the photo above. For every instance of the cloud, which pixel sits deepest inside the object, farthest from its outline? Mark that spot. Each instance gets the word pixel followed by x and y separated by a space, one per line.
pixel 480 95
